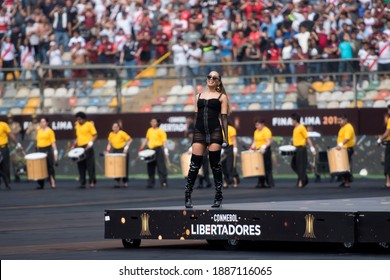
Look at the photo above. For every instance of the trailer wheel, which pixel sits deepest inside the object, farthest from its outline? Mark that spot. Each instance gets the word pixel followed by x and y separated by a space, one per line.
pixel 231 244
pixel 131 243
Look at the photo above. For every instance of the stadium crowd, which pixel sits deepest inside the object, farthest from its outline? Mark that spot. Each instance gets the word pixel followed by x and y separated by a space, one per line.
pixel 132 32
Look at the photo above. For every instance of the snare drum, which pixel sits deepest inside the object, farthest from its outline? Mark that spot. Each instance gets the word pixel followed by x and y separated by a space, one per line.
pixel 338 161
pixel 147 155
pixel 287 150
pixel 185 160
pixel 77 154
pixel 252 164
pixel 115 165
pixel 36 166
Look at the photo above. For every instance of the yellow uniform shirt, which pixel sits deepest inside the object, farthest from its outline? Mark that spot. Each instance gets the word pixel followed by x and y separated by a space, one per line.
pixel 388 127
pixel 156 137
pixel 347 132
pixel 85 133
pixel 300 135
pixel 118 140
pixel 4 131
pixel 261 136
pixel 45 137
pixel 232 132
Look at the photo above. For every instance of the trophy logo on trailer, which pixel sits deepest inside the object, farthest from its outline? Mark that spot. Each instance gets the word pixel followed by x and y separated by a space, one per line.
pixel 309 231
pixel 145 225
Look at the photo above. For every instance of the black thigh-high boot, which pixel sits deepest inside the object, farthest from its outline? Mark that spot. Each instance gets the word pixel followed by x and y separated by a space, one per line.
pixel 216 167
pixel 195 164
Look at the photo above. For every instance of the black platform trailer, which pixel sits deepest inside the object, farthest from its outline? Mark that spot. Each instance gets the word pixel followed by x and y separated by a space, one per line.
pixel 344 221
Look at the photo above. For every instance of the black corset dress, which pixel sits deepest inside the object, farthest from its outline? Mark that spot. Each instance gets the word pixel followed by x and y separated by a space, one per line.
pixel 208 127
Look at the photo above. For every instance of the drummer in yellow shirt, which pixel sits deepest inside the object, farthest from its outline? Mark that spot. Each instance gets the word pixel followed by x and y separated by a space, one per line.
pixel 46 143
pixel 262 140
pixel 386 137
pixel 119 142
pixel 299 160
pixel 346 140
pixel 156 139
pixel 86 135
pixel 5 133
pixel 230 155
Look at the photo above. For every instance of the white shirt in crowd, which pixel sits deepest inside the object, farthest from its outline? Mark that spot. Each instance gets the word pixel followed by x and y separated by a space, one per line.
pixel 8 51
pixel 75 40
pixel 287 52
pixel 192 55
pixel 55 57
pixel 303 40
pixel 384 52
pixel 27 56
pixel 179 54
pixel 32 33
pixel 363 55
pixel 120 41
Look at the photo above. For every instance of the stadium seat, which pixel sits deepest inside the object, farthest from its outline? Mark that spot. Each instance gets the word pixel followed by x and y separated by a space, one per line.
pixel 321 104
pixel 99 84
pixel 348 95
pixel 337 96
pixel 292 88
pixel 333 105
pixel 188 108
pixel 78 109
pixel 35 92
pixel 61 92
pixel 178 108
pixel 190 100
pixel 345 104
pixel 9 92
pixel 371 95
pixel 254 107
pixel 15 111
pixel 167 108
pixel 176 89
pixel 384 84
pixel 380 104
pixel 365 84
pixel 249 89
pixel 22 92
pixel 28 111
pixel 171 100
pixel 48 92
pixel 3 111
pixel 328 86
pixel 383 94
pixel 110 83
pixel 291 97
pixel 182 99
pixel 146 83
pixel 21 102
pixel 161 72
pixel 92 110
pixel 70 93
pixel 109 91
pixel 373 85
pixel 317 86
pixel 288 106
pixel 230 80
pixel 47 102
pixel 161 100
pixel 243 107
pixel 34 102
pixel 132 91
pixel 324 96
pixel 9 102
pixel 234 106
pixel 100 91
pixel 156 108
pixel 188 89
pixel 146 108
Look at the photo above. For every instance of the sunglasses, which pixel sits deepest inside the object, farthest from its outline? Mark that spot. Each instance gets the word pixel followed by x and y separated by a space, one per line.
pixel 212 77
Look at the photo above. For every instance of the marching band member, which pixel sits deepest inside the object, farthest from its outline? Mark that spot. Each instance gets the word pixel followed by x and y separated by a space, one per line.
pixel 346 140
pixel 86 135
pixel 156 139
pixel 299 160
pixel 262 140
pixel 46 143
pixel 5 133
pixel 229 164
pixel 386 137
pixel 119 142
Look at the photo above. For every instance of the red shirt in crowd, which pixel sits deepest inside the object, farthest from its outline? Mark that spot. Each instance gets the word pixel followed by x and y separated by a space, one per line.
pixel 273 55
pixel 253 10
pixel 92 50
pixel 161 48
pixel 107 46
pixel 144 43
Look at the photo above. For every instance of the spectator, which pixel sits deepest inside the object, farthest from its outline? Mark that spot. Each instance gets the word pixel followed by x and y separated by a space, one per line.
pixel 208 50
pixel 119 41
pixel 32 33
pixel 44 30
pixel 286 56
pixel 252 54
pixel 55 59
pixel 194 55
pixel 372 62
pixel 363 61
pixel 179 51
pixel 369 21
pixel 331 52
pixel 303 38
pixel 220 24
pixel 226 46
pixel 196 18
pixel 192 36
pixel 8 52
pixel 61 26
pixel 90 18
pixel 106 53
pixel 271 27
pixel 345 51
pixel 27 60
pixel 79 58
pixel 383 48
pixel 315 54
pixel 160 42
pixel 144 38
pixel 129 56
pixel 299 61
pixel 273 56
pixel 76 39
